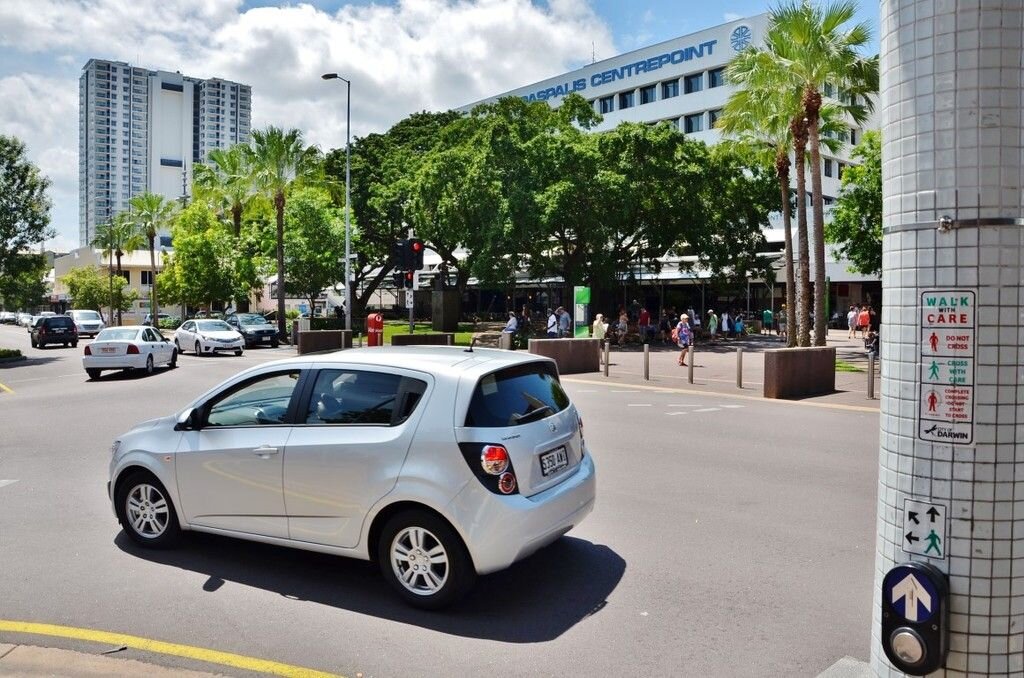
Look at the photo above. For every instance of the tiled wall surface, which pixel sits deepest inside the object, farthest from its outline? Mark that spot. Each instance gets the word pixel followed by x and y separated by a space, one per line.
pixel 952 145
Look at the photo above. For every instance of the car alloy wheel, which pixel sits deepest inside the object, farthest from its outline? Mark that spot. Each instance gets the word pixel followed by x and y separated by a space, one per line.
pixel 199 349
pixel 149 364
pixel 147 510
pixel 419 561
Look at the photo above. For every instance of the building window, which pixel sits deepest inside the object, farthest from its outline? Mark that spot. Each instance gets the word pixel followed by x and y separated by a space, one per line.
pixel 693 123
pixel 648 94
pixel 829 90
pixel 147 277
pixel 853 137
pixel 626 100
pixel 841 168
pixel 828 167
pixel 713 117
pixel 168 162
pixel 716 77
pixel 171 87
pixel 127 276
pixel 669 89
pixel 693 83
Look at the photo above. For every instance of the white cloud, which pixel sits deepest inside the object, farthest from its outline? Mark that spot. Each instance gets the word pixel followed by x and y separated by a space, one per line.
pixel 401 58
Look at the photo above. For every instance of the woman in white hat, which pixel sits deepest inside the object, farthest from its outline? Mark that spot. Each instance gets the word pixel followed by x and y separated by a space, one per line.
pixel 683 337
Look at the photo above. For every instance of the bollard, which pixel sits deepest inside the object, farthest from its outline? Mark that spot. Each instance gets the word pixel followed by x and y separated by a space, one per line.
pixel 693 359
pixel 647 362
pixel 449 340
pixel 359 339
pixel 739 368
pixel 607 350
pixel 871 377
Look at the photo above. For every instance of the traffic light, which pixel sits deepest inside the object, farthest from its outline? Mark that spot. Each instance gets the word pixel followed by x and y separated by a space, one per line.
pixel 399 278
pixel 399 255
pixel 415 246
pixel 409 277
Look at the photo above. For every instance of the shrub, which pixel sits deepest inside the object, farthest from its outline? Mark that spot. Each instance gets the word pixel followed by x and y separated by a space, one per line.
pixel 10 354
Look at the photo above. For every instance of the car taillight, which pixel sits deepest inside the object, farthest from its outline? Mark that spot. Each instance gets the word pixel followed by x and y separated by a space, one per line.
pixel 507 483
pixel 133 349
pixel 494 459
pixel 579 420
pixel 42 329
pixel 88 351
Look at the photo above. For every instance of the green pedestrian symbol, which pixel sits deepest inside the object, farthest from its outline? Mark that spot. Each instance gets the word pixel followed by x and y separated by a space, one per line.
pixel 934 371
pixel 933 543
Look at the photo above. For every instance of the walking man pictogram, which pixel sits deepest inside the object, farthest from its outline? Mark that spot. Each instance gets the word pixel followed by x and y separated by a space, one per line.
pixel 933 543
pixel 933 371
pixel 934 341
pixel 933 400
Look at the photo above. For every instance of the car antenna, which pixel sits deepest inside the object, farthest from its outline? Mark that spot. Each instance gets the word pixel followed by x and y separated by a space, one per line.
pixel 472 343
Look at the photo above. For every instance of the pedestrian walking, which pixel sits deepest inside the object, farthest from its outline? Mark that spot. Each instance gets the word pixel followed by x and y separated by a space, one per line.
pixel 726 324
pixel 683 337
pixel 644 324
pixel 598 331
pixel 564 322
pixel 781 325
pixel 712 324
pixel 851 321
pixel 552 329
pixel 738 326
pixel 864 321
pixel 767 318
pixel 665 326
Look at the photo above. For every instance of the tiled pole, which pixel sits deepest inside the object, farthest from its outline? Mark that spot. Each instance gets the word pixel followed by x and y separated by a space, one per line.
pixel 951 100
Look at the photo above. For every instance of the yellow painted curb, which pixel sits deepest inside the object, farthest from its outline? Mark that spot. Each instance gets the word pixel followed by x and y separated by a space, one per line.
pixel 715 394
pixel 187 651
pixel 6 389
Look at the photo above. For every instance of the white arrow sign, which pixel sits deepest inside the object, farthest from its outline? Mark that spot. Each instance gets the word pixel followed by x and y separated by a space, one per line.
pixel 914 593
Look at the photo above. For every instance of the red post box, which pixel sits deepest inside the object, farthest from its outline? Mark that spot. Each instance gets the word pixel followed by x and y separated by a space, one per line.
pixel 375 329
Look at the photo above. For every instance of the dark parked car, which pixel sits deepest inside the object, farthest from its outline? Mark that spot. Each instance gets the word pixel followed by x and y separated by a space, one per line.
pixel 54 329
pixel 254 328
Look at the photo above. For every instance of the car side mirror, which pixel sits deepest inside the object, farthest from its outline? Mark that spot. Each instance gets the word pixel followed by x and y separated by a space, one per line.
pixel 189 420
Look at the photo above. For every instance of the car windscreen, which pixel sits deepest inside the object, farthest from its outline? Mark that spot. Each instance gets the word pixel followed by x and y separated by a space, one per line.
pixel 87 315
pixel 59 321
pixel 117 334
pixel 252 319
pixel 212 326
pixel 516 395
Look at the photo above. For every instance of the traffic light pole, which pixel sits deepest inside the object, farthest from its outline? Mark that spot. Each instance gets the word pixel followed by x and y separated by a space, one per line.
pixel 411 302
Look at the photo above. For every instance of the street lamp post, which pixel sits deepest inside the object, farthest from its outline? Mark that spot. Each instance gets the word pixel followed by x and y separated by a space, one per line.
pixel 348 195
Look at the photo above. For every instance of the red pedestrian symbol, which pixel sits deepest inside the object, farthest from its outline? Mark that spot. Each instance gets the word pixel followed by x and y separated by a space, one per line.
pixel 934 341
pixel 933 400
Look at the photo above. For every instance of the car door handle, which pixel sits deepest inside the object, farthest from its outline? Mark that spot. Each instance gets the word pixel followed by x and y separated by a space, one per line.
pixel 265 451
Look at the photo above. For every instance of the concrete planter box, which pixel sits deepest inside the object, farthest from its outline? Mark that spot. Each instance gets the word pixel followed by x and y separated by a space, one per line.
pixel 323 340
pixel 796 372
pixel 572 356
pixel 436 339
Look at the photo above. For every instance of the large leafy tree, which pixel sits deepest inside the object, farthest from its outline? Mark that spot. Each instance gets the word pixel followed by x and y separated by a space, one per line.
pixel 279 160
pixel 314 244
pixel 811 46
pixel 104 241
pixel 856 225
pixel 88 288
pixel 226 180
pixel 23 285
pixel 24 206
pixel 204 250
pixel 152 213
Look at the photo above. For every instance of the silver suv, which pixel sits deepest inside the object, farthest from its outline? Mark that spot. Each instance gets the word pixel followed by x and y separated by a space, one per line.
pixel 437 462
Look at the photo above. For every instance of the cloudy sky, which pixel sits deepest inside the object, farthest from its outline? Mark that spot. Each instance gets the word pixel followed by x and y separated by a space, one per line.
pixel 402 56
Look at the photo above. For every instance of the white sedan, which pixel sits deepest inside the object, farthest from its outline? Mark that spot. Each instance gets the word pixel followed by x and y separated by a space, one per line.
pixel 132 347
pixel 208 336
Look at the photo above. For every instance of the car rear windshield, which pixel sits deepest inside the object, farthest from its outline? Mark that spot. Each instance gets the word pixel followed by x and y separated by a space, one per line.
pixel 117 334
pixel 59 321
pixel 516 395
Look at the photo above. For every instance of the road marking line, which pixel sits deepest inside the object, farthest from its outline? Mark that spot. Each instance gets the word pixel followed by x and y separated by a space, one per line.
pixel 672 414
pixel 638 405
pixel 623 391
pixel 681 405
pixel 713 394
pixel 159 647
pixel 6 389
pixel 5 483
pixel 707 409
pixel 731 407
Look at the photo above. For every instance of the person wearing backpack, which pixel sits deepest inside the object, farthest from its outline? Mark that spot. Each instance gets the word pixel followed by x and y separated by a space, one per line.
pixel 552 325
pixel 682 336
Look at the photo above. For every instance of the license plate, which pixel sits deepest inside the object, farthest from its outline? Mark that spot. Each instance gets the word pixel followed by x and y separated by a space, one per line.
pixel 554 460
pixel 58 330
pixel 107 350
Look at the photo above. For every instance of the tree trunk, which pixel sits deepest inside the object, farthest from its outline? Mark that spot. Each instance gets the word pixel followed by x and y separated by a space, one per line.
pixel 782 169
pixel 279 204
pixel 803 267
pixel 241 302
pixel 812 106
pixel 119 254
pixel 153 310
pixel 110 271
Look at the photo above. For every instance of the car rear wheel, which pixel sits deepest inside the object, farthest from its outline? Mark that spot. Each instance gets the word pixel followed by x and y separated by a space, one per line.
pixel 93 372
pixel 149 364
pixel 74 344
pixel 238 351
pixel 177 346
pixel 174 359
pixel 274 343
pixel 145 511
pixel 423 558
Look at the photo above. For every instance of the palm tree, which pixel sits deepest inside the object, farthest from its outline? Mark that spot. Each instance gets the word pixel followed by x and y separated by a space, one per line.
pixel 124 237
pixel 227 179
pixel 104 240
pixel 152 213
pixel 278 160
pixel 811 50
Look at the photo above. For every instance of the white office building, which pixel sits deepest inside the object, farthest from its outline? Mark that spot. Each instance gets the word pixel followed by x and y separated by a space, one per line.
pixel 683 81
pixel 143 130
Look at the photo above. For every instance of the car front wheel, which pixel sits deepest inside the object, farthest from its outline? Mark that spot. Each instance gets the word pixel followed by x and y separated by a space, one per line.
pixel 199 349
pixel 149 364
pixel 174 359
pixel 145 511
pixel 423 558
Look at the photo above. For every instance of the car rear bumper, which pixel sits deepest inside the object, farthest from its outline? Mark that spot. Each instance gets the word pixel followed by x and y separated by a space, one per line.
pixel 114 362
pixel 500 530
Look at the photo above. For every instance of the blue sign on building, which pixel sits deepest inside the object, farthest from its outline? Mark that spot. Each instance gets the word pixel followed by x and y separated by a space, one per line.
pixel 741 38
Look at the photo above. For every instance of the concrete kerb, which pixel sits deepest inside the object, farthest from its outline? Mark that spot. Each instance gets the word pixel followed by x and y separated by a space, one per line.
pixel 30 660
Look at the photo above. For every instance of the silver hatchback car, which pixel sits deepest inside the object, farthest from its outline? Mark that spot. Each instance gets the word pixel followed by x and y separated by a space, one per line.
pixel 439 463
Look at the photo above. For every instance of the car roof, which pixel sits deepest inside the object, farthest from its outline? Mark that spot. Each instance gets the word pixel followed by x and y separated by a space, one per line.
pixel 128 327
pixel 451 360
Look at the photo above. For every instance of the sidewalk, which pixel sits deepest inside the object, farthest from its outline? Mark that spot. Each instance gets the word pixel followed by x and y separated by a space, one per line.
pixel 28 660
pixel 715 369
